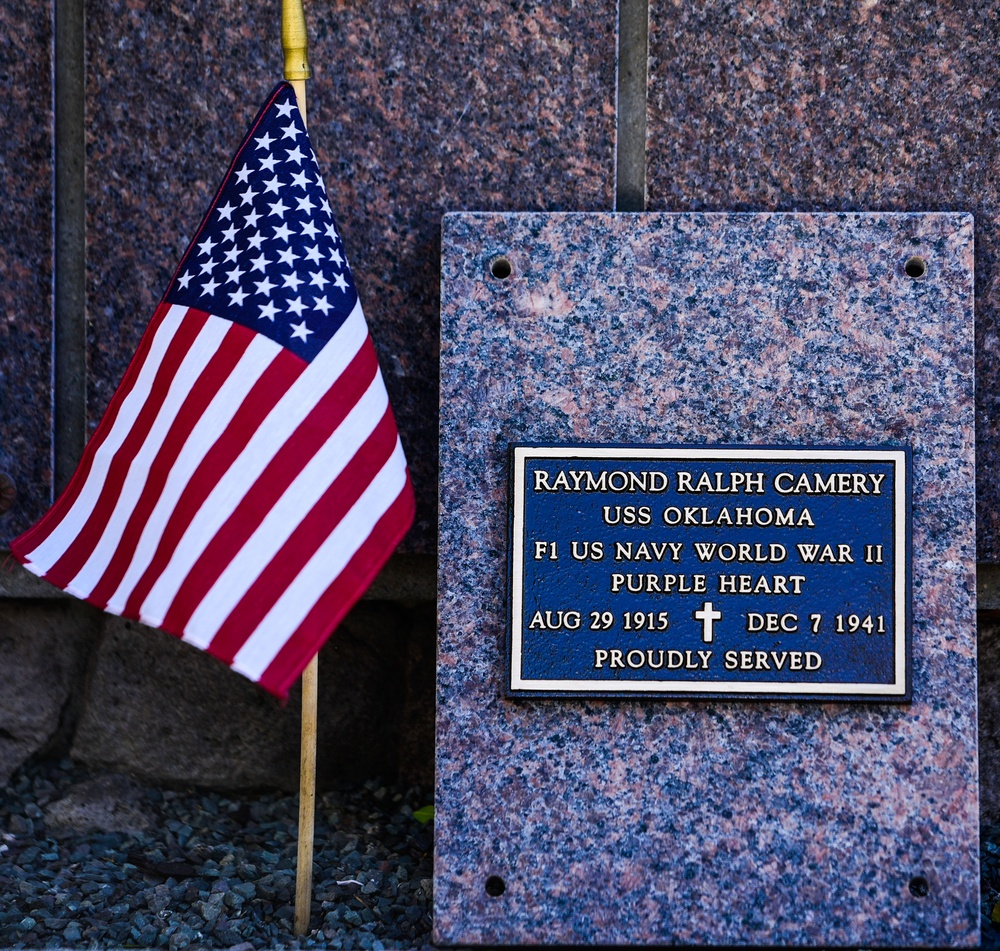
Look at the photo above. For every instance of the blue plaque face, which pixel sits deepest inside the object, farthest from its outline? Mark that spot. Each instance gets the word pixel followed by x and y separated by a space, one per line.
pixel 742 572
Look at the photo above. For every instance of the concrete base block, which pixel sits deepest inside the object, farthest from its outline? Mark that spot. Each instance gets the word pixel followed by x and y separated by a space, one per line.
pixel 163 712
pixel 43 655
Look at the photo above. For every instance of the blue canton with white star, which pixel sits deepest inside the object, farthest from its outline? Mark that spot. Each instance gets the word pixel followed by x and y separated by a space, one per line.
pixel 268 254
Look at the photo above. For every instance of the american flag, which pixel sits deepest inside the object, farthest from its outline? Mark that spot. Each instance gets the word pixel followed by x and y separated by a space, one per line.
pixel 247 482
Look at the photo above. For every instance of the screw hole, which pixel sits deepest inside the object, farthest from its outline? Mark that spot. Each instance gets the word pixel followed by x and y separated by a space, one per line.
pixel 495 886
pixel 500 268
pixel 919 887
pixel 915 267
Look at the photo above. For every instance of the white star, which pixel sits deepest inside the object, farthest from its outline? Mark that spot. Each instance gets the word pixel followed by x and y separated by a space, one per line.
pixel 325 206
pixel 232 254
pixel 331 232
pixel 292 280
pixel 259 264
pixel 296 155
pixel 243 174
pixel 268 311
pixel 318 279
pixel 335 256
pixel 305 204
pixel 312 254
pixel 287 256
pixel 207 266
pixel 272 186
pixel 340 282
pixel 301 331
pixel 290 132
pixel 268 163
pixel 264 286
pixel 264 142
pixel 209 288
pixel 226 211
pixel 248 196
pixel 324 305
pixel 233 276
pixel 284 109
pixel 309 229
pixel 283 232
pixel 206 246
pixel 237 297
pixel 300 180
pixel 253 218
pixel 185 280
pixel 230 233
pixel 279 208
pixel 255 241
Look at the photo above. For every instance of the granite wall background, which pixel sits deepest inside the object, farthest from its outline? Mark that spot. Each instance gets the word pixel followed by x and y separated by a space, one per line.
pixel 25 265
pixel 418 109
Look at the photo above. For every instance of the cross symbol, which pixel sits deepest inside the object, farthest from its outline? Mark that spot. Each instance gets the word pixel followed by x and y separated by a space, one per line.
pixel 708 616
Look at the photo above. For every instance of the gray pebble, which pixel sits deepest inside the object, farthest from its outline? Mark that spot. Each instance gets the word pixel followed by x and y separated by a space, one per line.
pixel 234 902
pixel 246 890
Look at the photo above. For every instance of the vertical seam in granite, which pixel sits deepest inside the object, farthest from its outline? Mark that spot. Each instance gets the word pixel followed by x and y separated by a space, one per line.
pixel 630 107
pixel 69 338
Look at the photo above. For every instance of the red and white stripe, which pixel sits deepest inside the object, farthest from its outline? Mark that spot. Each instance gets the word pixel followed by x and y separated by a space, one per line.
pixel 233 494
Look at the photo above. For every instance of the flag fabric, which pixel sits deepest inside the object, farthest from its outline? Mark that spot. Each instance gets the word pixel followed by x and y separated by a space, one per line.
pixel 247 481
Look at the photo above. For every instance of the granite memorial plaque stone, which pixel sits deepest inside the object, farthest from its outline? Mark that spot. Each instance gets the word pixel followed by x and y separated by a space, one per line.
pixel 707 653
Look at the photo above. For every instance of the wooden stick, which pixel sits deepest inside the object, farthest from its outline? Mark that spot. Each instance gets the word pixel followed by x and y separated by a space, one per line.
pixel 307 798
pixel 295 45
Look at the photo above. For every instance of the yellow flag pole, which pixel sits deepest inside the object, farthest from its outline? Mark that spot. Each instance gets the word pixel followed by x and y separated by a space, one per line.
pixel 307 798
pixel 295 45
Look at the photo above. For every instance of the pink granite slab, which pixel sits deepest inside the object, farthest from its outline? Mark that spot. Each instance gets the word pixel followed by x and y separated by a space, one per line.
pixel 26 263
pixel 799 106
pixel 723 823
pixel 413 109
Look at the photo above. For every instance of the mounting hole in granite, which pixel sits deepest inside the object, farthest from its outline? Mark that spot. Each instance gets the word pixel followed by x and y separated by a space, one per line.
pixel 915 267
pixel 495 886
pixel 500 268
pixel 919 887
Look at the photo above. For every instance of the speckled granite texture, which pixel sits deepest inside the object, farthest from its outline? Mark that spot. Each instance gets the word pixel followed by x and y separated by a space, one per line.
pixel 26 262
pixel 868 106
pixel 415 109
pixel 717 823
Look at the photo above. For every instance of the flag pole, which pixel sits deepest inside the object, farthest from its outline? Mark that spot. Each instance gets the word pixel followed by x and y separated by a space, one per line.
pixel 295 45
pixel 307 798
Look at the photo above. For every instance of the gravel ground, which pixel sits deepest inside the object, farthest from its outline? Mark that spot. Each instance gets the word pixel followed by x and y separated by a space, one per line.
pixel 197 869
